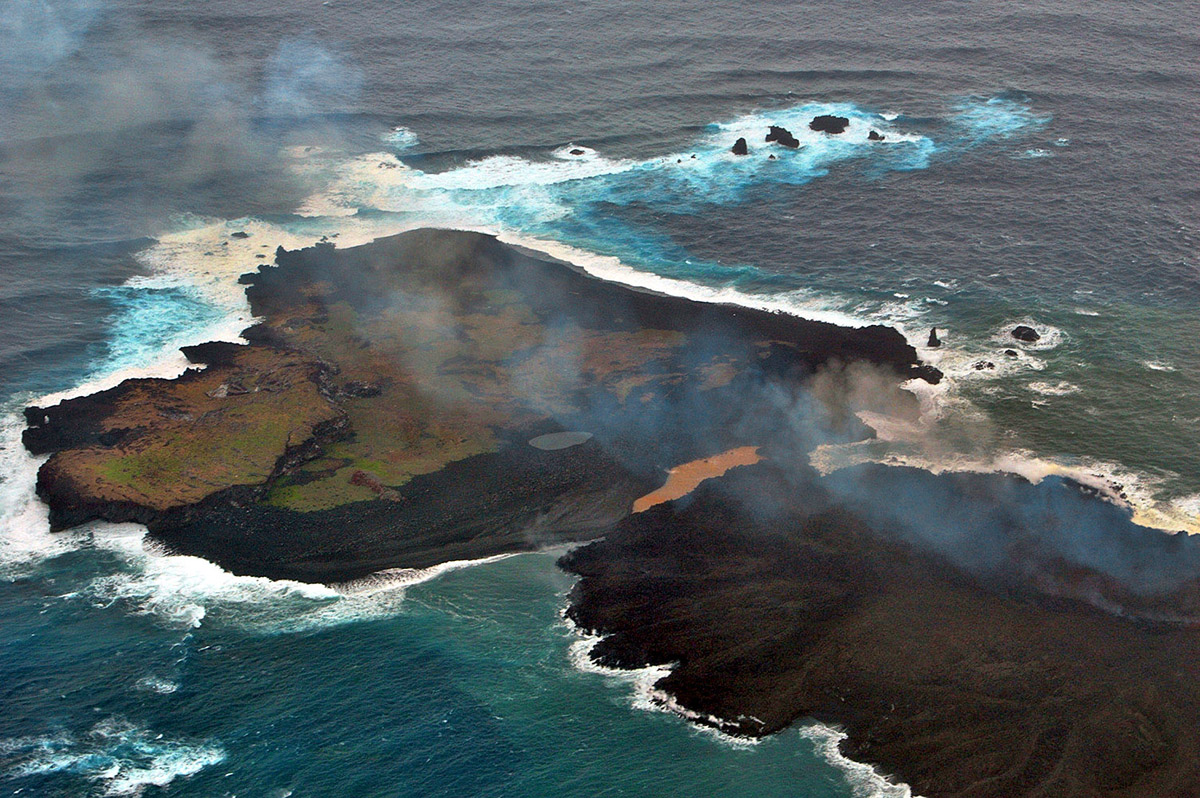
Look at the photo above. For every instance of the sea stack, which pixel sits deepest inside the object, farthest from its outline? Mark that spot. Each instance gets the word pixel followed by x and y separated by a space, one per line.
pixel 740 148
pixel 875 135
pixel 934 342
pixel 781 135
pixel 829 124
pixel 1023 332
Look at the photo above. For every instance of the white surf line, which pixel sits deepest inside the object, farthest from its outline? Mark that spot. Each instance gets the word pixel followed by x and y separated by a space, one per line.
pixel 228 263
pixel 178 258
pixel 646 696
pixel 864 779
pixel 391 579
pixel 1110 480
pixel 612 269
pixel 25 536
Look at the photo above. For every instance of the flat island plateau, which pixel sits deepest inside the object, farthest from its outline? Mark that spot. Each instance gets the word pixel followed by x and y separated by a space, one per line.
pixel 439 396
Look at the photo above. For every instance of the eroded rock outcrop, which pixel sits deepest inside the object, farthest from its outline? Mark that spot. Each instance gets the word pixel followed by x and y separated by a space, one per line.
pixel 827 123
pixel 1025 333
pixel 782 136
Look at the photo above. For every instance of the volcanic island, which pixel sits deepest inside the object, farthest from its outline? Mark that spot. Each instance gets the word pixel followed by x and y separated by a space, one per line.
pixel 438 396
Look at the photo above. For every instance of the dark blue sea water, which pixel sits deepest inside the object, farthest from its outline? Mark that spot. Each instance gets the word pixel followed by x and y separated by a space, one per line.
pixel 1038 168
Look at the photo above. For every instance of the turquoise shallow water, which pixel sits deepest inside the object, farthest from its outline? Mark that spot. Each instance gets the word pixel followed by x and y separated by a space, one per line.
pixel 465 686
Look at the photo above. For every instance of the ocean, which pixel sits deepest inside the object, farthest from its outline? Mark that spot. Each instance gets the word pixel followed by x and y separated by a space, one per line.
pixel 1037 168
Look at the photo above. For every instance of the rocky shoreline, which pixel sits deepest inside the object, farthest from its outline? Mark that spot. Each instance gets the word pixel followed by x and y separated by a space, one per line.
pixel 774 601
pixel 439 396
pixel 381 414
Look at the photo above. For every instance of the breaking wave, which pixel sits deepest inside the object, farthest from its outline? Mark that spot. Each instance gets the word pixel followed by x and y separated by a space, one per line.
pixel 864 781
pixel 121 757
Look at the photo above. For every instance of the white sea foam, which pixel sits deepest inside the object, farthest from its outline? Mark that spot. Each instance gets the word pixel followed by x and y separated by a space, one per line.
pixel 970 362
pixel 397 579
pixel 505 171
pixel 187 592
pixel 572 151
pixel 753 126
pixel 25 538
pixel 1060 388
pixel 180 590
pixel 120 756
pixel 204 255
pixel 520 193
pixel 514 196
pixel 1137 491
pixel 400 138
pixel 907 314
pixel 157 684
pixel 1049 336
pixel 865 781
pixel 1158 365
pixel 645 694
pixel 996 117
pixel 801 304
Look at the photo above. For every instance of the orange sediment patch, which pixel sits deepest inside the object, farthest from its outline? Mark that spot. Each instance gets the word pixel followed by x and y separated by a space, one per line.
pixel 683 479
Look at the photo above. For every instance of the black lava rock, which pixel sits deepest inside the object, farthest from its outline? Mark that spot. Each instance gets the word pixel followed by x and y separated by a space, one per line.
pixel 1025 333
pixel 361 390
pixel 740 148
pixel 829 124
pixel 781 135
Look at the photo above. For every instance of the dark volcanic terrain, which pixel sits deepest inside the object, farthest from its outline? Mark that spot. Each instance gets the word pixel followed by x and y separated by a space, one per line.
pixel 382 412
pixel 438 396
pixel 775 601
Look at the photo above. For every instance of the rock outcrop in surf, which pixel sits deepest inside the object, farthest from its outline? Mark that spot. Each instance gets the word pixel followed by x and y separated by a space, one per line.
pixel 828 123
pixel 782 136
pixel 1025 333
